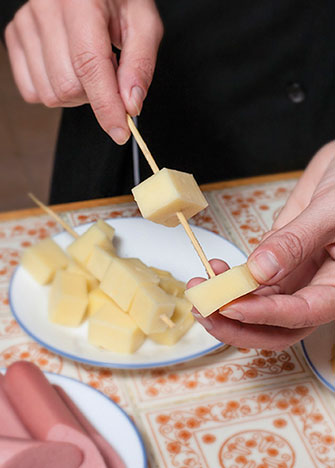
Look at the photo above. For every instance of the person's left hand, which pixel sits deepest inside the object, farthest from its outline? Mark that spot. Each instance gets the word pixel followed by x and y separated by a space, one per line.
pixel 294 264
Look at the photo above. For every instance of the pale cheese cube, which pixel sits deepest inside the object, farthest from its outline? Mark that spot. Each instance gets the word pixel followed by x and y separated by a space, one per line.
pixel 112 329
pixel 214 293
pixel 42 260
pixel 172 286
pixel 121 281
pixel 161 273
pixel 92 282
pixel 96 299
pixel 149 304
pixel 100 234
pixel 99 260
pixel 182 319
pixel 143 268
pixel 67 299
pixel 164 193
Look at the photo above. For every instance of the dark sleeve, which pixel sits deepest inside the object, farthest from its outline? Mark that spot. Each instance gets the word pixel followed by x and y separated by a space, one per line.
pixel 8 8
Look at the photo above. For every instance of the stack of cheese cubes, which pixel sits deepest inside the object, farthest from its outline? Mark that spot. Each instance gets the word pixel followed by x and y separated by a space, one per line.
pixel 123 299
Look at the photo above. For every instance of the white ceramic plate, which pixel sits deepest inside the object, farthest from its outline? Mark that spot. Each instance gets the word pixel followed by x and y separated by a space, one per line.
pixel 317 349
pixel 166 248
pixel 107 417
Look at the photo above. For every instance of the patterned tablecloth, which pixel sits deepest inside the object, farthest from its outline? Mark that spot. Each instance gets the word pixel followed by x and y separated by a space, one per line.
pixel 238 408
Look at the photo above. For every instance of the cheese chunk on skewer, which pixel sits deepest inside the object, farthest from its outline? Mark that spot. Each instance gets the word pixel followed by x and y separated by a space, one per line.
pixel 68 299
pixel 149 304
pixel 166 192
pixel 209 296
pixel 122 279
pixel 182 319
pixel 113 329
pixel 42 260
pixel 44 413
pixel 99 260
pixel 100 234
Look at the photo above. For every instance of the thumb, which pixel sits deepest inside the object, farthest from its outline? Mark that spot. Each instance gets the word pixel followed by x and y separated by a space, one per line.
pixel 285 249
pixel 138 55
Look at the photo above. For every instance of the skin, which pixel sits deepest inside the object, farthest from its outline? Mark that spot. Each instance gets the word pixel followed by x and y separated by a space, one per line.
pixel 61 56
pixel 298 284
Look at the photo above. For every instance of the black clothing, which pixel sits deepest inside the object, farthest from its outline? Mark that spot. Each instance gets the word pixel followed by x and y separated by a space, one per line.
pixel 240 89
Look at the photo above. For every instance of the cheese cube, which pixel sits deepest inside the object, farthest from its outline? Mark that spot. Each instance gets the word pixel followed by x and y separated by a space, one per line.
pixel 67 299
pixel 214 293
pixel 172 286
pixel 149 304
pixel 42 260
pixel 164 193
pixel 182 319
pixel 161 273
pixel 114 330
pixel 99 261
pixel 92 282
pixel 96 299
pixel 121 281
pixel 100 234
pixel 142 267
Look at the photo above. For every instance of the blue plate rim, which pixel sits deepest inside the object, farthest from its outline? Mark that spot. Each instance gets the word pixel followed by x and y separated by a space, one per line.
pixel 314 369
pixel 112 364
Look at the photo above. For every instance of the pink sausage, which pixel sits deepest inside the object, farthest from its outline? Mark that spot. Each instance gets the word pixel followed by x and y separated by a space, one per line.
pixel 10 423
pixel 112 458
pixel 43 412
pixel 25 453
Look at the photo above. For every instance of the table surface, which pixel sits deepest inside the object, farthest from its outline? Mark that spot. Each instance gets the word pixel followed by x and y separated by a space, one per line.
pixel 236 408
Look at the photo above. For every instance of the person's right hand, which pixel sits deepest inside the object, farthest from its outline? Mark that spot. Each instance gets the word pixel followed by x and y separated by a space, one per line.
pixel 61 55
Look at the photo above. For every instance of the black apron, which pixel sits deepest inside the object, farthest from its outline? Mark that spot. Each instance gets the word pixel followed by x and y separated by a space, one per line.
pixel 241 88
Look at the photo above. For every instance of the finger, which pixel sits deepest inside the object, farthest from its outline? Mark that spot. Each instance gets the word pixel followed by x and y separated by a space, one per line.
pixel 311 306
pixel 19 66
pixel 28 35
pixel 91 55
pixel 304 189
pixel 219 266
pixel 59 69
pixel 239 334
pixel 139 53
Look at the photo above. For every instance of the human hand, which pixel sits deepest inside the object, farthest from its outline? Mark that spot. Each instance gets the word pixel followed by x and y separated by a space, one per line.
pixel 294 263
pixel 61 55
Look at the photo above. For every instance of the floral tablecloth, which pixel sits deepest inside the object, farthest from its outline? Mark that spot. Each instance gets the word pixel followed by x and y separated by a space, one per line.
pixel 236 408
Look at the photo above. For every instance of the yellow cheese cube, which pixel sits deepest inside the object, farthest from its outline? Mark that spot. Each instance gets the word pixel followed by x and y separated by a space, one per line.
pixel 149 304
pixel 42 260
pixel 214 293
pixel 92 282
pixel 121 281
pixel 143 268
pixel 172 286
pixel 99 261
pixel 100 234
pixel 114 330
pixel 161 273
pixel 182 319
pixel 96 299
pixel 67 299
pixel 164 193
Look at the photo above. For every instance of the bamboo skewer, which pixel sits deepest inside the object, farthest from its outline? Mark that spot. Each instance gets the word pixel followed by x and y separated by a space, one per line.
pixel 183 221
pixel 73 233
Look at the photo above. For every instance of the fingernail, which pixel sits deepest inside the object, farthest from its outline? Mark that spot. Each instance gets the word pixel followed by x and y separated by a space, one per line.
pixel 196 314
pixel 264 266
pixel 119 135
pixel 207 324
pixel 137 97
pixel 232 314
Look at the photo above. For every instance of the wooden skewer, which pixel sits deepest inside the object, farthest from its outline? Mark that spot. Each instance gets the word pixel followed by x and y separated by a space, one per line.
pixel 73 233
pixel 183 221
pixel 54 215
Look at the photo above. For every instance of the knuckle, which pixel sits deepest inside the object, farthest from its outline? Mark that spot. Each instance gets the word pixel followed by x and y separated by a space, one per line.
pixel 51 100
pixel 293 244
pixel 68 90
pixel 145 68
pixel 85 64
pixel 30 97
